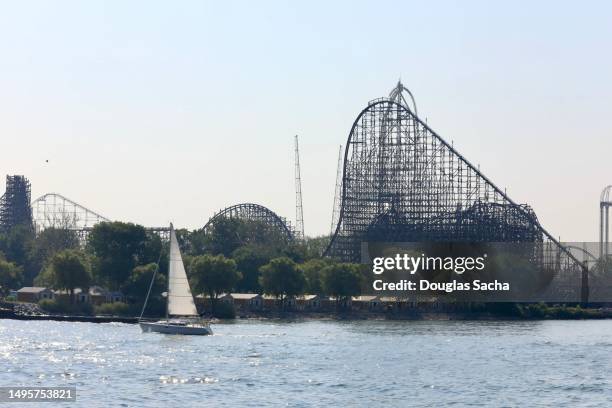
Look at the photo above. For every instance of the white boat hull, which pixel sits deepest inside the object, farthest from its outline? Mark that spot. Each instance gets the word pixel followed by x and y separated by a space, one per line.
pixel 173 328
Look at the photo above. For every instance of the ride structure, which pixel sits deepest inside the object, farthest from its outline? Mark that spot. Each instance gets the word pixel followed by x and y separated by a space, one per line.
pixel 402 182
pixel 15 208
pixel 605 202
pixel 299 209
pixel 268 220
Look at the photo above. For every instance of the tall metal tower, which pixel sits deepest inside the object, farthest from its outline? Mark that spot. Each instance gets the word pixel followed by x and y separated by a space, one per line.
pixel 605 202
pixel 299 212
pixel 338 191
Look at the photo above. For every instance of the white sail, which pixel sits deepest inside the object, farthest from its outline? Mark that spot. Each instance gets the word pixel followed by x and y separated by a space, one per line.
pixel 180 299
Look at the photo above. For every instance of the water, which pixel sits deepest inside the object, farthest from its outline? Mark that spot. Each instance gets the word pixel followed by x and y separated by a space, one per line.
pixel 317 363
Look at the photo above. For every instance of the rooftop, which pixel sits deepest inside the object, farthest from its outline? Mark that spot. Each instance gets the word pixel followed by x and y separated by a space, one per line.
pixel 32 289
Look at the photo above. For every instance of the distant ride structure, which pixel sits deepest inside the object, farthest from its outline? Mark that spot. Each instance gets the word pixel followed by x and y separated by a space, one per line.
pixel 402 182
pixel 299 209
pixel 255 213
pixel 15 208
pixel 53 210
pixel 605 202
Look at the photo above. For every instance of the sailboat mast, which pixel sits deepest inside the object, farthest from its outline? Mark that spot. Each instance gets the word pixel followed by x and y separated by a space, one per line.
pixel 168 280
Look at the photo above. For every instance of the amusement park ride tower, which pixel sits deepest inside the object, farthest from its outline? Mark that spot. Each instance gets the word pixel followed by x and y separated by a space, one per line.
pixel 605 203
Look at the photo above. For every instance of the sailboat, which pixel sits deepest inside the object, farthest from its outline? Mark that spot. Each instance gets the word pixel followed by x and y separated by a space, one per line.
pixel 181 314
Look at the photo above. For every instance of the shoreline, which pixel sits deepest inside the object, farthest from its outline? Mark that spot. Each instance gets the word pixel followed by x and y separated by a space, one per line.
pixel 354 316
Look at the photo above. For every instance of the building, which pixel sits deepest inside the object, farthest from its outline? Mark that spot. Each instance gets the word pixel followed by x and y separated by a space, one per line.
pixel 372 303
pixel 333 303
pixel 274 303
pixel 79 296
pixel 115 296
pixel 96 295
pixel 309 302
pixel 33 294
pixel 99 295
pixel 245 301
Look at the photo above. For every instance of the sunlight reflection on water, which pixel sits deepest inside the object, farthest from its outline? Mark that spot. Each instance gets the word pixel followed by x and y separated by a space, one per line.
pixel 320 363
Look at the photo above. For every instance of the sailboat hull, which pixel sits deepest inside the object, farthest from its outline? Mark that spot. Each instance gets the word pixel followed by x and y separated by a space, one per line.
pixel 173 328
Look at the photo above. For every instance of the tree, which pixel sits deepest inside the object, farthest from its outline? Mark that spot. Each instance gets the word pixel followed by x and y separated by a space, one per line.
pixel 249 259
pixel 296 251
pixel 315 246
pixel 342 280
pixel 11 276
pixel 118 248
pixel 224 237
pixel 312 272
pixel 16 245
pixel 137 286
pixel 49 242
pixel 281 278
pixel 228 234
pixel 69 269
pixel 213 275
pixel 139 281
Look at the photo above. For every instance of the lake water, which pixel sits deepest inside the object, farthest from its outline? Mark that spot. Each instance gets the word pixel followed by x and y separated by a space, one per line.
pixel 317 363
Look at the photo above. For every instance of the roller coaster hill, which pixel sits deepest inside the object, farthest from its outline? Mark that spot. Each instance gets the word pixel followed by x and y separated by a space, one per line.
pixel 402 182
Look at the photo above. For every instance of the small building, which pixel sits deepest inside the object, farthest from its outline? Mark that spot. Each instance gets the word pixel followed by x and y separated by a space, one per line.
pixel 367 302
pixel 333 303
pixel 97 295
pixel 341 302
pixel 243 301
pixel 33 294
pixel 113 296
pixel 223 298
pixel 309 302
pixel 274 303
pixel 79 296
pixel 393 303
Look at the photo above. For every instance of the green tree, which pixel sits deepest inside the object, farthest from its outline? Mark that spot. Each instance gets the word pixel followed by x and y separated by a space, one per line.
pixel 228 234
pixel 296 251
pixel 11 276
pixel 282 278
pixel 139 281
pixel 313 273
pixel 213 275
pixel 50 241
pixel 342 280
pixel 249 259
pixel 118 248
pixel 137 286
pixel 224 237
pixel 69 269
pixel 315 246
pixel 16 245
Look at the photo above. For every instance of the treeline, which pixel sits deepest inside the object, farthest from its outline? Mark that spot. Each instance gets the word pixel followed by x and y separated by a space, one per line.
pixel 234 256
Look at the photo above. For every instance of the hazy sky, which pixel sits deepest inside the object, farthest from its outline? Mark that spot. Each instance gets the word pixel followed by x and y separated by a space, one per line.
pixel 157 111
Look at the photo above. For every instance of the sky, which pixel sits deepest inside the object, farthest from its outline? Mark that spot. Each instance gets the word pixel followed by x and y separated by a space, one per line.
pixel 153 112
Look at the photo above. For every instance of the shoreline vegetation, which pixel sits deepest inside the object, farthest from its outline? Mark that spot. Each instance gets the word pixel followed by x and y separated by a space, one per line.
pixel 476 312
pixel 106 275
